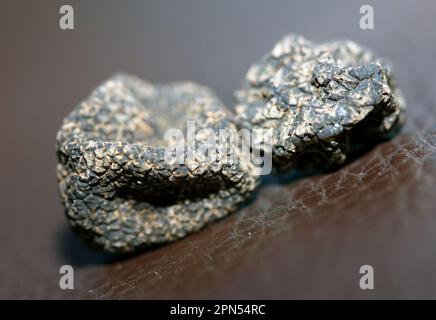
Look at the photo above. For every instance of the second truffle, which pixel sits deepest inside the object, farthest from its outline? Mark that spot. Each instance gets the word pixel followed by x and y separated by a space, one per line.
pixel 319 100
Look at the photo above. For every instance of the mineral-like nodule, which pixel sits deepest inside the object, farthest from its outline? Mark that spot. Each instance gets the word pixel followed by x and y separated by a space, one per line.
pixel 120 191
pixel 319 100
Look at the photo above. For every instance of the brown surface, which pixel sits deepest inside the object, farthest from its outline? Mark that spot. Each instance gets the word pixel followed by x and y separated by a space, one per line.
pixel 301 238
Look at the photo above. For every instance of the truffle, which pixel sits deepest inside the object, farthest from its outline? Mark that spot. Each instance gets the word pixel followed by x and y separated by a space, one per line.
pixel 120 188
pixel 319 100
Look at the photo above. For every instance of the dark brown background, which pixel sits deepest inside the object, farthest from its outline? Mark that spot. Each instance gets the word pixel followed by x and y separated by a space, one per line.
pixel 305 238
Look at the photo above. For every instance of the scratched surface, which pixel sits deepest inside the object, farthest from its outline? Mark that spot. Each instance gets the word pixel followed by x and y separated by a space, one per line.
pixel 301 237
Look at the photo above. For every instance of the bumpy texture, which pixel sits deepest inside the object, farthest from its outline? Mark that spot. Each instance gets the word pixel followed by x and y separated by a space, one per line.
pixel 119 189
pixel 318 100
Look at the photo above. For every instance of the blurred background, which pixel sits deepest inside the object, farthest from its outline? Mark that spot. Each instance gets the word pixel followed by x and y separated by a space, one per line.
pixel 300 239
